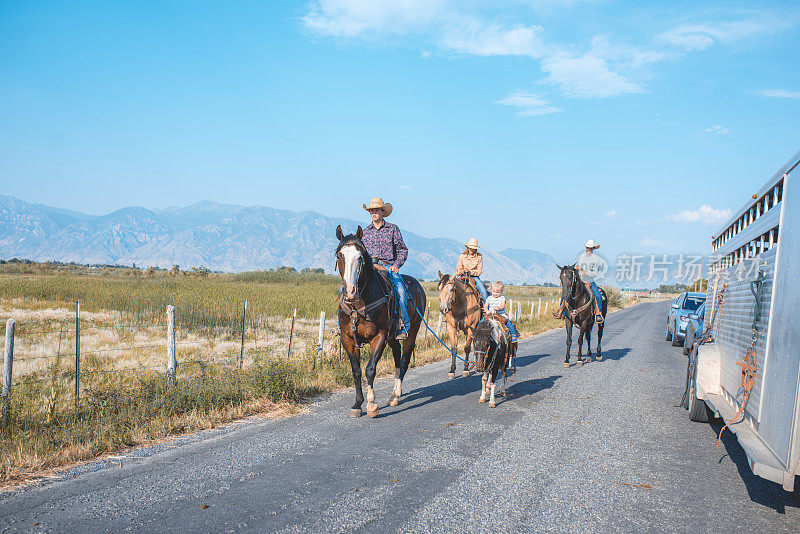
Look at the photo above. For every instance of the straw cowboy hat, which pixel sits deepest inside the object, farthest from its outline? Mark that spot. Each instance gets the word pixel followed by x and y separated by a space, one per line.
pixel 378 203
pixel 591 244
pixel 472 243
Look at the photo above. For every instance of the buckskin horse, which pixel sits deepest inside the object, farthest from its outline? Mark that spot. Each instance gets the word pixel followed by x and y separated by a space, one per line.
pixel 493 351
pixel 577 306
pixel 459 303
pixel 367 315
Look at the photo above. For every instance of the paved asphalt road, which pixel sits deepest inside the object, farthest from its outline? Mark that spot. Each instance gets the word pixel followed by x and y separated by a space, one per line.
pixel 592 448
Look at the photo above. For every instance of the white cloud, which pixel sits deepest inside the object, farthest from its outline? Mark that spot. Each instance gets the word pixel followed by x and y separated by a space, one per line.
pixel 406 187
pixel 705 214
pixel 717 129
pixel 586 76
pixel 480 40
pixel 780 93
pixel 611 214
pixel 700 36
pixel 528 104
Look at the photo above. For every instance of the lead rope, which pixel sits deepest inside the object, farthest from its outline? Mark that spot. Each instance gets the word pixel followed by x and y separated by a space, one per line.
pixel 749 369
pixel 411 300
pixel 706 337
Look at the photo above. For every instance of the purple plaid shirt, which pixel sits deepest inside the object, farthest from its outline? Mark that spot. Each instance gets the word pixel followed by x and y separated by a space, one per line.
pixel 385 244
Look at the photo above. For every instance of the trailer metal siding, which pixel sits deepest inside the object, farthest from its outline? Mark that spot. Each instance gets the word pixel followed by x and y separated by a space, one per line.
pixel 734 327
pixel 783 368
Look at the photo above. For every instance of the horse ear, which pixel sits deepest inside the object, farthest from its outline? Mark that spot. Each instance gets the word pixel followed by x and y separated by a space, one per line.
pixel 440 275
pixel 339 234
pixel 559 267
pixel 359 233
pixel 574 264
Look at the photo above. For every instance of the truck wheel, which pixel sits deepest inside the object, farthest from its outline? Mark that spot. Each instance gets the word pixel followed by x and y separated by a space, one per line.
pixel 675 341
pixel 698 411
pixel 669 334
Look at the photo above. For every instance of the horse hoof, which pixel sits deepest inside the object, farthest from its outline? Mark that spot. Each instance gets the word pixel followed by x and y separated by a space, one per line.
pixel 481 400
pixel 395 401
pixel 566 364
pixel 501 394
pixel 355 412
pixel 599 358
pixel 465 373
pixel 372 410
pixel 580 362
pixel 492 405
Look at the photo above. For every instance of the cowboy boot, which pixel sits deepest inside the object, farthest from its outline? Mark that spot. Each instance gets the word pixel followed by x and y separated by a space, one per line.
pixel 598 317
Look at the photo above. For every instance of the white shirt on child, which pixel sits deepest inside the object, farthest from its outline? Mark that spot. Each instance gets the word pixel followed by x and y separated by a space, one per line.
pixel 495 303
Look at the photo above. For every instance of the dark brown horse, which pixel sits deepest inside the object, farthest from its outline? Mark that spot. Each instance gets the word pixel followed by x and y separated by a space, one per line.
pixel 367 315
pixel 459 303
pixel 577 306
pixel 493 352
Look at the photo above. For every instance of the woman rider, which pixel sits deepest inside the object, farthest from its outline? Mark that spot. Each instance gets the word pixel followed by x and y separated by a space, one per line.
pixel 471 262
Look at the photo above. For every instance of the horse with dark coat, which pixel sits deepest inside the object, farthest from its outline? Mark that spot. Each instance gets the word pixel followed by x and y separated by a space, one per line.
pixel 493 351
pixel 577 306
pixel 367 314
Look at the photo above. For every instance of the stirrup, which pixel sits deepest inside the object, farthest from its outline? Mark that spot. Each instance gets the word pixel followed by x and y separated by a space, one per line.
pixel 598 318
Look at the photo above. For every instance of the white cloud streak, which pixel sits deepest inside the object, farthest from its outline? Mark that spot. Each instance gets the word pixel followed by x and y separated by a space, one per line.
pixel 528 104
pixel 705 215
pixel 780 93
pixel 717 129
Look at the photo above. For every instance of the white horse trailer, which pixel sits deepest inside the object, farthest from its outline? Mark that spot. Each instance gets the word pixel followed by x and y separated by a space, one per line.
pixel 761 241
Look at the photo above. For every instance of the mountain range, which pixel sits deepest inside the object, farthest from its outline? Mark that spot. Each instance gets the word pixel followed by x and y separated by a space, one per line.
pixel 226 237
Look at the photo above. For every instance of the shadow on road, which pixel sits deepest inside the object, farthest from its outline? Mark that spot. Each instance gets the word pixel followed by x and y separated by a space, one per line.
pixel 614 354
pixel 467 387
pixel 529 387
pixel 760 490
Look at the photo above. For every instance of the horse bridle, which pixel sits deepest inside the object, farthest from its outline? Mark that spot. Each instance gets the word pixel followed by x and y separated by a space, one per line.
pixel 574 313
pixel 449 304
pixel 359 270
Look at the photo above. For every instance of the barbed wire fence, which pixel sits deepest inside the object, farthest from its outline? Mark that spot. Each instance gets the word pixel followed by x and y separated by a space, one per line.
pixel 87 368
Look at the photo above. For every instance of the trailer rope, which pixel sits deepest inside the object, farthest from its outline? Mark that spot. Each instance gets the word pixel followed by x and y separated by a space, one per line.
pixel 749 363
pixel 706 337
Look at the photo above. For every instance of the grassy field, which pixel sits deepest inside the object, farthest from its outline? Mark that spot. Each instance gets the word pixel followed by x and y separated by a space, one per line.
pixel 124 398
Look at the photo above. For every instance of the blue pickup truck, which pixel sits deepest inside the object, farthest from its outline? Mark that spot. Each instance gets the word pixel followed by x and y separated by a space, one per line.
pixel 678 316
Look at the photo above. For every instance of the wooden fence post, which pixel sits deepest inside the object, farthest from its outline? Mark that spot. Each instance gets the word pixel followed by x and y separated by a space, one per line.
pixel 77 355
pixel 321 340
pixel 244 326
pixel 172 360
pixel 8 365
pixel 291 334
pixel 545 307
pixel 531 311
pixel 539 309
pixel 439 326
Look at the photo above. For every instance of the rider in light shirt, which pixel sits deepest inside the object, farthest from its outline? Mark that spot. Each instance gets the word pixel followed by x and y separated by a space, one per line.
pixel 591 267
pixel 497 304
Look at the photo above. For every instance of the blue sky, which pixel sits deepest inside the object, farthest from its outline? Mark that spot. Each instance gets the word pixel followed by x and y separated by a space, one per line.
pixel 529 124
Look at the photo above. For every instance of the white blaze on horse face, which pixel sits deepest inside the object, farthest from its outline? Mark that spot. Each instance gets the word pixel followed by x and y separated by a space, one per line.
pixel 350 257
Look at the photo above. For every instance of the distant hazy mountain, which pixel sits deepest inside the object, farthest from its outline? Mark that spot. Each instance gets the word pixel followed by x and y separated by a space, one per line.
pixel 225 237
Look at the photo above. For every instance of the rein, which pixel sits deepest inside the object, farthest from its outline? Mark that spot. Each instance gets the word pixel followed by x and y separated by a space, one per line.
pixel 351 307
pixel 573 313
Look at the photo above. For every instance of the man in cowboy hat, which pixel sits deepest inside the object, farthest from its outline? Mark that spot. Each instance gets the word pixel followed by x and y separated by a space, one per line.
pixel 471 262
pixel 592 267
pixel 384 242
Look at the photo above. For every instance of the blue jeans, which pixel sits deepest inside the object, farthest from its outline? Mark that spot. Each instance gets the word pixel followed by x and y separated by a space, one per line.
pixel 597 296
pixel 402 298
pixel 481 288
pixel 510 326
